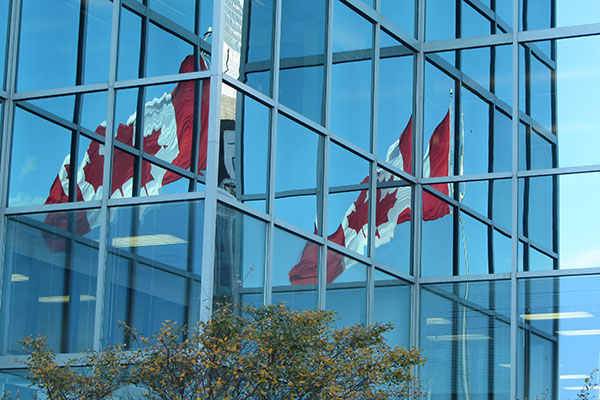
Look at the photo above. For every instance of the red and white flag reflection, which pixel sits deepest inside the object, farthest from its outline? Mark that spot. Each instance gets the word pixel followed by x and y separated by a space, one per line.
pixel 393 205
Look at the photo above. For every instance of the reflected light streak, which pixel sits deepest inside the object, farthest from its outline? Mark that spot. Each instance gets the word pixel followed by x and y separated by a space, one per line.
pixel 580 332
pixel 468 336
pixel 437 321
pixel 19 278
pixel 65 299
pixel 556 315
pixel 146 240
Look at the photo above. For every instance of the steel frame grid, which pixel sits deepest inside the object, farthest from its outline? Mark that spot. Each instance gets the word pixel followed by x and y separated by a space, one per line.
pixel 421 49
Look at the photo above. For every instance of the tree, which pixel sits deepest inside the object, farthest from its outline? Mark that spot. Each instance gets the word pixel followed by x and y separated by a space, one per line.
pixel 268 352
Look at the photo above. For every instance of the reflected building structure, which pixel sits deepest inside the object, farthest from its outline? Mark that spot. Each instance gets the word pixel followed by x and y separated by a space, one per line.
pixel 430 163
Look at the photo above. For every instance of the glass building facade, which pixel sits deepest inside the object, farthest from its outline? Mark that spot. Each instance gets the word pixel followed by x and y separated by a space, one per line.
pixel 430 163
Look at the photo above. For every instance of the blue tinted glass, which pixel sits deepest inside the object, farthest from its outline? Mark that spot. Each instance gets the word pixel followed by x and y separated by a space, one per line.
pixel 474 135
pixel 502 204
pixel 502 253
pixel 153 267
pixel 465 334
pixel 296 174
pixel 473 23
pixel 346 289
pixel 295 272
pixel 502 142
pixel 540 151
pixel 437 237
pixel 301 89
pixel 473 247
pixel 475 63
pixel 50 269
pixel 129 45
pixel 402 13
pixel 303 28
pixel 504 11
pixel 503 73
pixel 395 103
pixel 440 20
pixel 536 14
pixel 161 42
pixel 474 195
pixel 522 146
pixel 42 64
pixel 541 93
pixel 183 12
pixel 392 304
pixel 4 9
pixel 537 208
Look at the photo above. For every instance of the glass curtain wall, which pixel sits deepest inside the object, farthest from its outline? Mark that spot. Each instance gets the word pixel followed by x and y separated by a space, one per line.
pixel 432 163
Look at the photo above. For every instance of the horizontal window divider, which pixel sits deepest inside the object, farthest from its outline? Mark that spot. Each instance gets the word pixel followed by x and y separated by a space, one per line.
pixel 150 263
pixel 542 249
pixel 406 38
pixel 541 56
pixel 396 171
pixel 162 79
pixel 302 120
pixel 282 194
pixel 349 253
pixel 559 33
pixel 549 136
pixel 467 303
pixel 45 208
pixel 393 184
pixel 348 188
pixel 313 60
pixel 249 91
pixel 185 173
pixel 252 197
pixel 70 90
pixel 298 231
pixel 352 56
pixel 362 8
pixel 465 278
pixel 468 43
pixel 55 119
pixel 95 244
pixel 228 201
pixel 161 198
pixel 482 9
pixel 257 66
pixel 466 178
pixel 558 171
pixel 395 51
pixel 348 145
pixel 558 273
pixel 293 288
pixel 346 285
pixel 407 278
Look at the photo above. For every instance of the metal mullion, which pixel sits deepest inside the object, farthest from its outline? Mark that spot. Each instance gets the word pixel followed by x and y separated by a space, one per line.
pixel 361 8
pixel 514 295
pixel 68 90
pixel 101 279
pixel 297 231
pixel 7 127
pixel 559 273
pixel 162 79
pixel 44 208
pixel 212 166
pixel 243 208
pixel 466 178
pixel 346 144
pixel 173 28
pixel 467 43
pixel 249 91
pixel 138 259
pixel 348 253
pixel 559 33
pixel 464 278
pixel 373 193
pixel 405 38
pixel 163 198
pixel 394 272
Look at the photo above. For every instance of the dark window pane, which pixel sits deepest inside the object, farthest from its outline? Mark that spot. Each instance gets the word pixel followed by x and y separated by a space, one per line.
pixel 50 268
pixel 244 147
pixel 239 258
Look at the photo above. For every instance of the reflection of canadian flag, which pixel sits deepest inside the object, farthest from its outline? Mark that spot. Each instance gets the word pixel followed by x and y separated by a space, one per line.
pixel 168 134
pixel 393 205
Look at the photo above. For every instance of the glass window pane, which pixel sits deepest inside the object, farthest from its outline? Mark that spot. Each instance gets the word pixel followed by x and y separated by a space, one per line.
pixel 346 289
pixel 4 16
pixel 248 42
pixel 245 125
pixel 393 221
pixel 296 174
pixel 558 335
pixel 395 103
pixel 50 267
pixel 153 267
pixel 437 240
pixel 239 258
pixel 440 20
pixel 303 56
pixel 392 305
pixel 465 333
pixel 295 272
pixel 43 64
pixel 401 13
pixel 351 76
pixel 474 135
